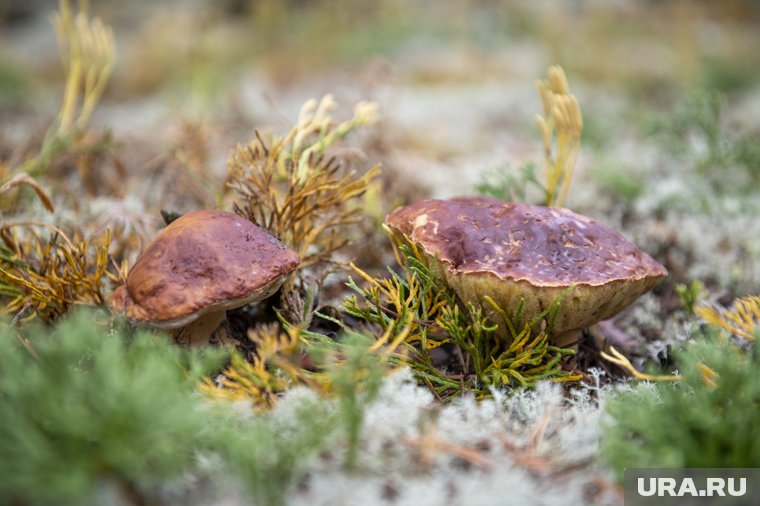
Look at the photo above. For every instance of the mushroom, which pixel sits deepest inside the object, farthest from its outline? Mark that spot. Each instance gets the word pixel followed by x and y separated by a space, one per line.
pixel 510 252
pixel 197 268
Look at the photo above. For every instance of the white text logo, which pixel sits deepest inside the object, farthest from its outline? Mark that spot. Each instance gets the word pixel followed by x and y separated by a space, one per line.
pixel 669 487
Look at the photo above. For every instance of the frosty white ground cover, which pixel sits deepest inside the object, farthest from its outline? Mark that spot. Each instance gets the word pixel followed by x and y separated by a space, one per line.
pixel 535 447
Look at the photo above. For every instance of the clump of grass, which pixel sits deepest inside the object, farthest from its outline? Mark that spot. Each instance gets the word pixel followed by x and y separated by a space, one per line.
pixel 293 187
pixel 43 269
pixel 88 56
pixel 417 312
pixel 44 272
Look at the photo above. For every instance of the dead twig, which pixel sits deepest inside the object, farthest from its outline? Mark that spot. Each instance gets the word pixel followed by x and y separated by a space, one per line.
pixel 25 179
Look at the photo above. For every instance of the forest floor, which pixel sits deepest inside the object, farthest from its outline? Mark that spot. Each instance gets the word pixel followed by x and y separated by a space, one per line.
pixel 669 157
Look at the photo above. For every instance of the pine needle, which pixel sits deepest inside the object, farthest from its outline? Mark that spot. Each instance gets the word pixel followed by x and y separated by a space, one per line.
pixel 743 320
pixel 46 274
pixel 619 359
pixel 418 312
pixel 292 187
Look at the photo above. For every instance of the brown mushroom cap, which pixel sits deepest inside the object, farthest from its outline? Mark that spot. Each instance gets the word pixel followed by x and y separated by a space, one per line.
pixel 510 251
pixel 205 261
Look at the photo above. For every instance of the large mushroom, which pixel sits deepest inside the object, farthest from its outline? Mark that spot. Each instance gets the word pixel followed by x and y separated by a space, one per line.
pixel 508 251
pixel 197 268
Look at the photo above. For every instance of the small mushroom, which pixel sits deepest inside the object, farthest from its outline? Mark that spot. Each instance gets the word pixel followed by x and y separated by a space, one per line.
pixel 509 251
pixel 197 268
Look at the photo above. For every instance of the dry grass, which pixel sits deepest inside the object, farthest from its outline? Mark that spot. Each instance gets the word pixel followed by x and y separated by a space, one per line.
pixel 298 191
pixel 47 273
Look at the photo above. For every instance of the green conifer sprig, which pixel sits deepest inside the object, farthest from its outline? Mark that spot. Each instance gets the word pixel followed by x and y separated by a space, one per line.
pixel 86 409
pixel 47 273
pixel 709 418
pixel 420 304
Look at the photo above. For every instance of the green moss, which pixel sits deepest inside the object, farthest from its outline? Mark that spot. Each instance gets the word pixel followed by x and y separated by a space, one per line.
pixel 82 406
pixel 87 405
pixel 708 419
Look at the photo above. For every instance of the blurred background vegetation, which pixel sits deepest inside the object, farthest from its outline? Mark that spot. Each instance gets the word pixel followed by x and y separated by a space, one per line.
pixel 670 155
pixel 453 78
pixel 200 50
pixel 670 93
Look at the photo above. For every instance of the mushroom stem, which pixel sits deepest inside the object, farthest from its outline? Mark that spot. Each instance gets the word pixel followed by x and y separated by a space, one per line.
pixel 569 339
pixel 198 332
